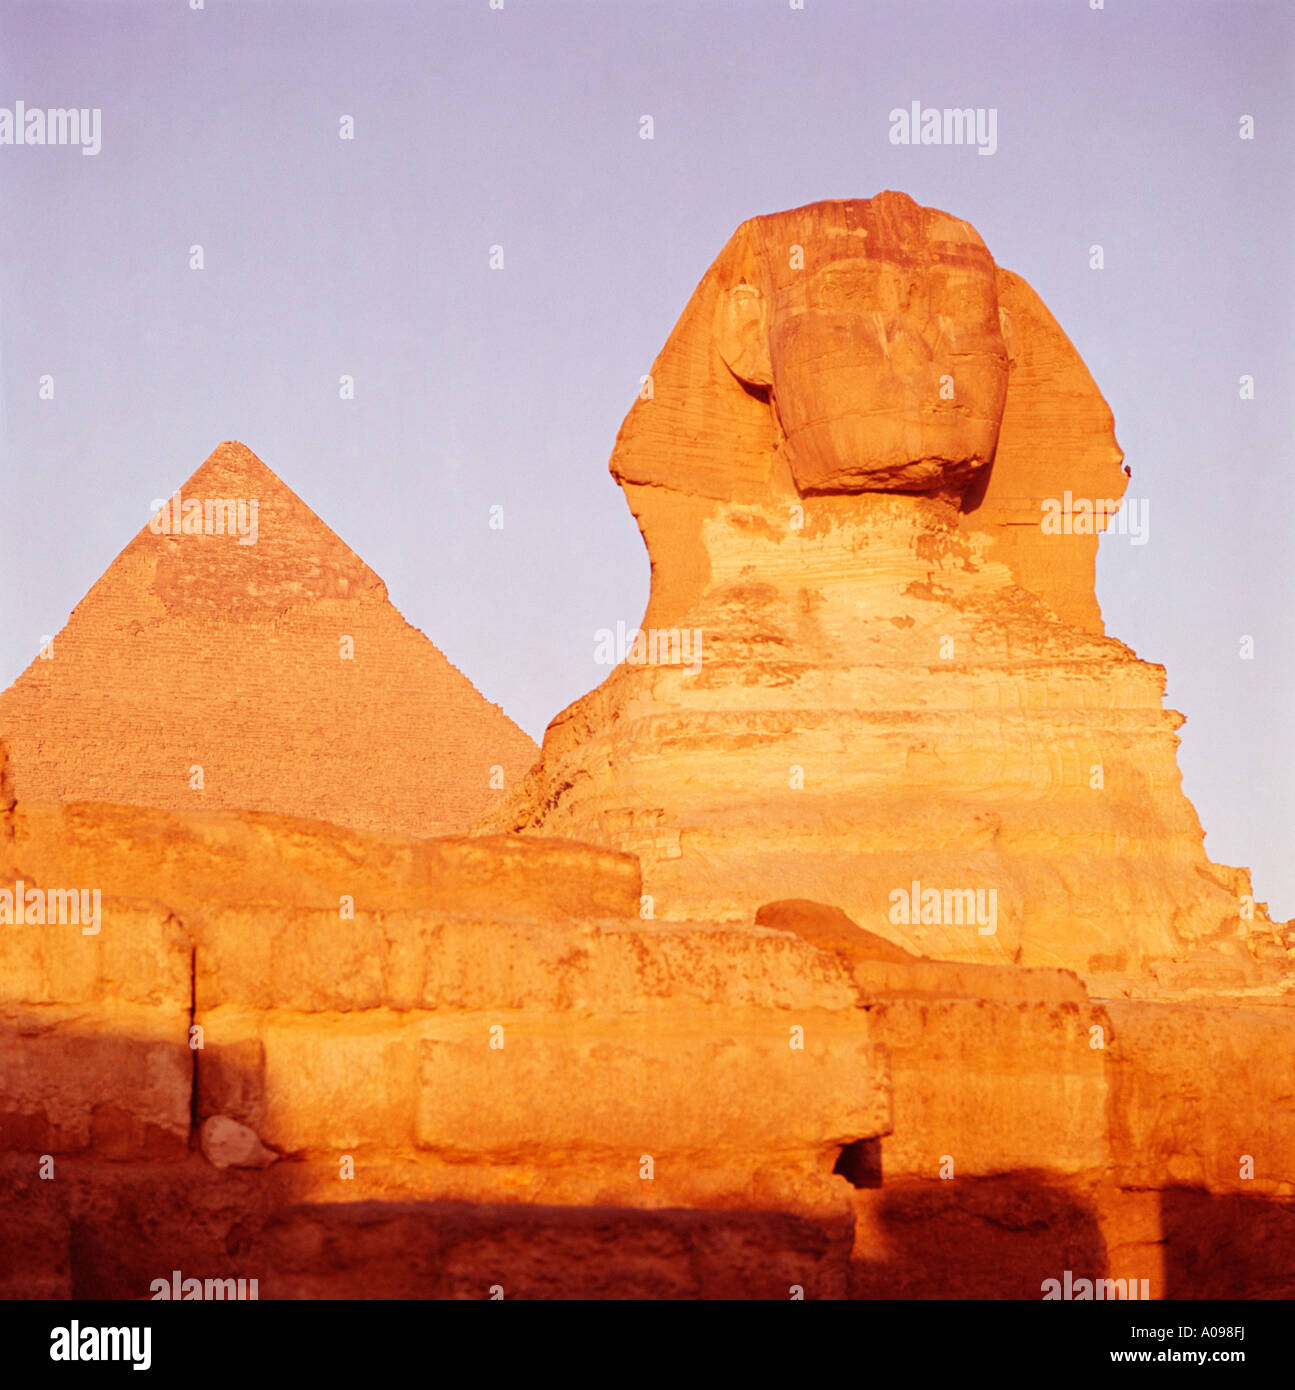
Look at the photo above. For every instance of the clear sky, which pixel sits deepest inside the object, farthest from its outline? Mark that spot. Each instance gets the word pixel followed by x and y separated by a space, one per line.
pixel 474 387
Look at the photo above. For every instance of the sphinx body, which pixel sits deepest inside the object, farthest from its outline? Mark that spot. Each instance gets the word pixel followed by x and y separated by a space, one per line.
pixel 906 694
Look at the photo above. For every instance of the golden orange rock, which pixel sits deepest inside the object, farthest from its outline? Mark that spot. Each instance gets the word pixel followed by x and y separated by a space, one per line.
pixel 270 658
pixel 547 1092
pixel 867 675
pixel 347 1060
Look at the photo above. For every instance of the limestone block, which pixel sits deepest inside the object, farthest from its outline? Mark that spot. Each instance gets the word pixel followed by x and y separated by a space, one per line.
pixel 116 1079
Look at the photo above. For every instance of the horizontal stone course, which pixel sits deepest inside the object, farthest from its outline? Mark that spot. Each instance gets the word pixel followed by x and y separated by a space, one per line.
pixel 276 957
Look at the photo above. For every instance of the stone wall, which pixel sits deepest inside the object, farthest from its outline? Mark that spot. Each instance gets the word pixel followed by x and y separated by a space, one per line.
pixel 660 1115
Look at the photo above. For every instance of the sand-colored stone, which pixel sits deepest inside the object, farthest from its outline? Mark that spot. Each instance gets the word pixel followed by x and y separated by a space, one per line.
pixel 715 1087
pixel 310 962
pixel 1197 1090
pixel 200 860
pixel 353 1061
pixel 1001 1086
pixel 1110 1150
pixel 718 1085
pixel 895 675
pixel 116 1079
pixel 199 650
pixel 830 929
pixel 227 1144
pixel 141 955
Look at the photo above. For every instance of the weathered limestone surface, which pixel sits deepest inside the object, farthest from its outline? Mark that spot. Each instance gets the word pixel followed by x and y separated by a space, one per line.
pixel 1016 1128
pixel 200 861
pixel 1197 1089
pixel 698 1057
pixel 196 649
pixel 896 675
pixel 93 1045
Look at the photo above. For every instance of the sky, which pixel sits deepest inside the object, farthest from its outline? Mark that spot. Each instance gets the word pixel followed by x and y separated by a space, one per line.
pixel 520 127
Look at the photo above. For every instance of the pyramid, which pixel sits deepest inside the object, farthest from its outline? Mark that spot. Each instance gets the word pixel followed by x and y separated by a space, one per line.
pixel 229 652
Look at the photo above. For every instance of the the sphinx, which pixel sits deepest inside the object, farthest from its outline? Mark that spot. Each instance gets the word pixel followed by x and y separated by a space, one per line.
pixel 905 704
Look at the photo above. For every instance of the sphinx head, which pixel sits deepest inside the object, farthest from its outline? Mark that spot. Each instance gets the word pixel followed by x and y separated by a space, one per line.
pixel 868 345
pixel 877 334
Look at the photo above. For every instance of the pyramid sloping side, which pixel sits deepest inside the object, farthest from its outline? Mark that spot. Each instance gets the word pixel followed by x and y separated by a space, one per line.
pixel 196 650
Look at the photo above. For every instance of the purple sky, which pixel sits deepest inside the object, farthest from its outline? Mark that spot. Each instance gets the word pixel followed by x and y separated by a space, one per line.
pixel 477 387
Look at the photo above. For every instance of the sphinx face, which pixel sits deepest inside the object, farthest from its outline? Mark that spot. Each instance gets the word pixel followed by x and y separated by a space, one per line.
pixel 890 374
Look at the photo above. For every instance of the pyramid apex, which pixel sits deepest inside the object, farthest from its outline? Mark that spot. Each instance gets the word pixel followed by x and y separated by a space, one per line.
pixel 232 458
pixel 234 448
pixel 234 537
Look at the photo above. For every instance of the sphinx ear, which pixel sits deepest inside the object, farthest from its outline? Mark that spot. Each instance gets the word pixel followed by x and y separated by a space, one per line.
pixel 741 331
